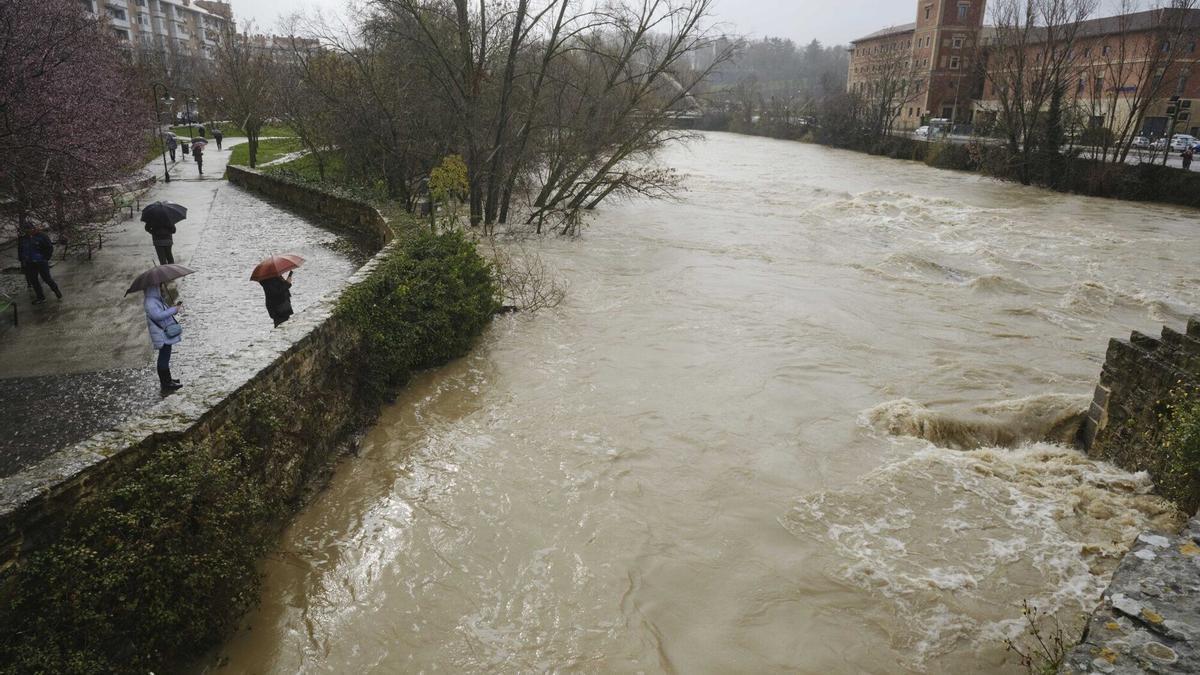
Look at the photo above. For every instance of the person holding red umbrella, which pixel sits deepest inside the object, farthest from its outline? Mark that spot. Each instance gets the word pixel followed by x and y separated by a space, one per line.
pixel 276 287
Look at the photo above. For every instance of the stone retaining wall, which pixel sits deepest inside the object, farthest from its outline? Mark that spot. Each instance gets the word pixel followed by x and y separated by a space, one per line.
pixel 360 220
pixel 306 359
pixel 1149 618
pixel 1138 377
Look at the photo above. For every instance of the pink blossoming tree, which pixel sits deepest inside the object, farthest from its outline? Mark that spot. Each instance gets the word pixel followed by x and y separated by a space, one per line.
pixel 71 118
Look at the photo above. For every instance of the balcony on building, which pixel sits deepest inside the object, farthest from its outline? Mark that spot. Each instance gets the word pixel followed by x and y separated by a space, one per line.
pixel 117 15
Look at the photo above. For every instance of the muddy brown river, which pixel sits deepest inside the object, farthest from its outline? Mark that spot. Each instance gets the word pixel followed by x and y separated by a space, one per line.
pixel 798 420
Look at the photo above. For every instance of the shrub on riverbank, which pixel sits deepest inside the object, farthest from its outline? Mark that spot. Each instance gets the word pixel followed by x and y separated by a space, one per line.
pixel 423 306
pixel 1178 473
pixel 149 571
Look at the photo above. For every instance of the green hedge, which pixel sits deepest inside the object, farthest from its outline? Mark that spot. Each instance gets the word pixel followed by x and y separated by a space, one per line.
pixel 151 570
pixel 424 305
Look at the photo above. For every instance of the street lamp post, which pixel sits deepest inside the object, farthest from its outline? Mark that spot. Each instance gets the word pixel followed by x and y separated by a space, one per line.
pixel 158 129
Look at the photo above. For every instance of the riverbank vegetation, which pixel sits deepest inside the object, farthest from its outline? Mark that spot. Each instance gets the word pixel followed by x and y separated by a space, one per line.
pixel 424 305
pixel 1178 472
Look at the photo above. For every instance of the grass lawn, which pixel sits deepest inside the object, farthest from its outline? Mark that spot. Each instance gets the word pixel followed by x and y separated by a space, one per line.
pixel 268 150
pixel 305 170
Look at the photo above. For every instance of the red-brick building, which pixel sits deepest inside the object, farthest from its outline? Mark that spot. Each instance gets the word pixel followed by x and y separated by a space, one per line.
pixel 934 54
pixel 1115 63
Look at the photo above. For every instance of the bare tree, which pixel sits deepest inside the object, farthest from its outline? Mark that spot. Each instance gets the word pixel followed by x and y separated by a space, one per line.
pixel 240 84
pixel 1139 60
pixel 1032 58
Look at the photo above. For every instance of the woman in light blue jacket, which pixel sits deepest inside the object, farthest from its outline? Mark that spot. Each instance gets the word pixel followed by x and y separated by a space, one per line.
pixel 164 332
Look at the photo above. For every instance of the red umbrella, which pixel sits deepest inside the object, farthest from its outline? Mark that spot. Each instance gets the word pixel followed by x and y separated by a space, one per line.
pixel 275 266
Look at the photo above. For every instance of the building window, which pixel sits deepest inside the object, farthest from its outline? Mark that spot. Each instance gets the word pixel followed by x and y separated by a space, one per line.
pixel 953 63
pixel 116 13
pixel 957 43
pixel 1166 46
pixel 963 8
pixel 928 11
pixel 1104 51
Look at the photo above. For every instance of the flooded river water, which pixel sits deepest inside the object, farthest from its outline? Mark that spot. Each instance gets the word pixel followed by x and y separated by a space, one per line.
pixel 713 458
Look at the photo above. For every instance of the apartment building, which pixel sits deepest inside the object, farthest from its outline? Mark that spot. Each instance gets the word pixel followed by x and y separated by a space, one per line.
pixel 179 26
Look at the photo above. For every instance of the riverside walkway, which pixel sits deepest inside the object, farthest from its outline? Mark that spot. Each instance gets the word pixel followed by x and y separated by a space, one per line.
pixel 84 364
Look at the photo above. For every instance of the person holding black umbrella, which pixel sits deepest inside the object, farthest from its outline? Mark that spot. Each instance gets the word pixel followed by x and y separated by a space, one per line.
pixel 198 152
pixel 161 319
pixel 165 333
pixel 160 219
pixel 218 136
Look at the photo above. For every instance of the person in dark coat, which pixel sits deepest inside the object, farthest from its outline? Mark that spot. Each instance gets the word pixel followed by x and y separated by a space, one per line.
pixel 279 298
pixel 218 137
pixel 162 232
pixel 198 153
pixel 172 144
pixel 34 251
pixel 1188 155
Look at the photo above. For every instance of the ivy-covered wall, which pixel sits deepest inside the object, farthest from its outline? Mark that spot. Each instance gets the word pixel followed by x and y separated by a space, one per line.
pixel 1141 412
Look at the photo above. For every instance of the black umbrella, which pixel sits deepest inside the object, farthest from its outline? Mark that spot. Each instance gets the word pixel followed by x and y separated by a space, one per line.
pixel 158 275
pixel 164 212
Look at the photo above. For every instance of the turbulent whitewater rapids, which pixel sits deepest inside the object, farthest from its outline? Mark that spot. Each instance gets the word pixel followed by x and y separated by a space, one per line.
pixel 810 417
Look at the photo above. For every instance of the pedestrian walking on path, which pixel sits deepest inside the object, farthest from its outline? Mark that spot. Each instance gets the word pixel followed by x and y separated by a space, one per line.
pixel 34 251
pixel 198 152
pixel 172 144
pixel 218 136
pixel 165 333
pixel 1188 155
pixel 160 219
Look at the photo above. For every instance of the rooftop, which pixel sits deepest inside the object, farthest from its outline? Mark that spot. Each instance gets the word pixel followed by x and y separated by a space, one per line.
pixel 891 30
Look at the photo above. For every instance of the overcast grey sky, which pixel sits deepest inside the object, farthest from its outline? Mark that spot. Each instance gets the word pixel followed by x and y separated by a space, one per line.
pixel 830 21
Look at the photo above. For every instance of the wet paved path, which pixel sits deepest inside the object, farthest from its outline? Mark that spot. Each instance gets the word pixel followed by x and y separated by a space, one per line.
pixel 79 366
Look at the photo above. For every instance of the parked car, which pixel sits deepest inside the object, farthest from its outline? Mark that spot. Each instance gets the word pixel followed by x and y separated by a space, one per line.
pixel 1140 143
pixel 1182 142
pixel 1159 144
pixel 921 134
